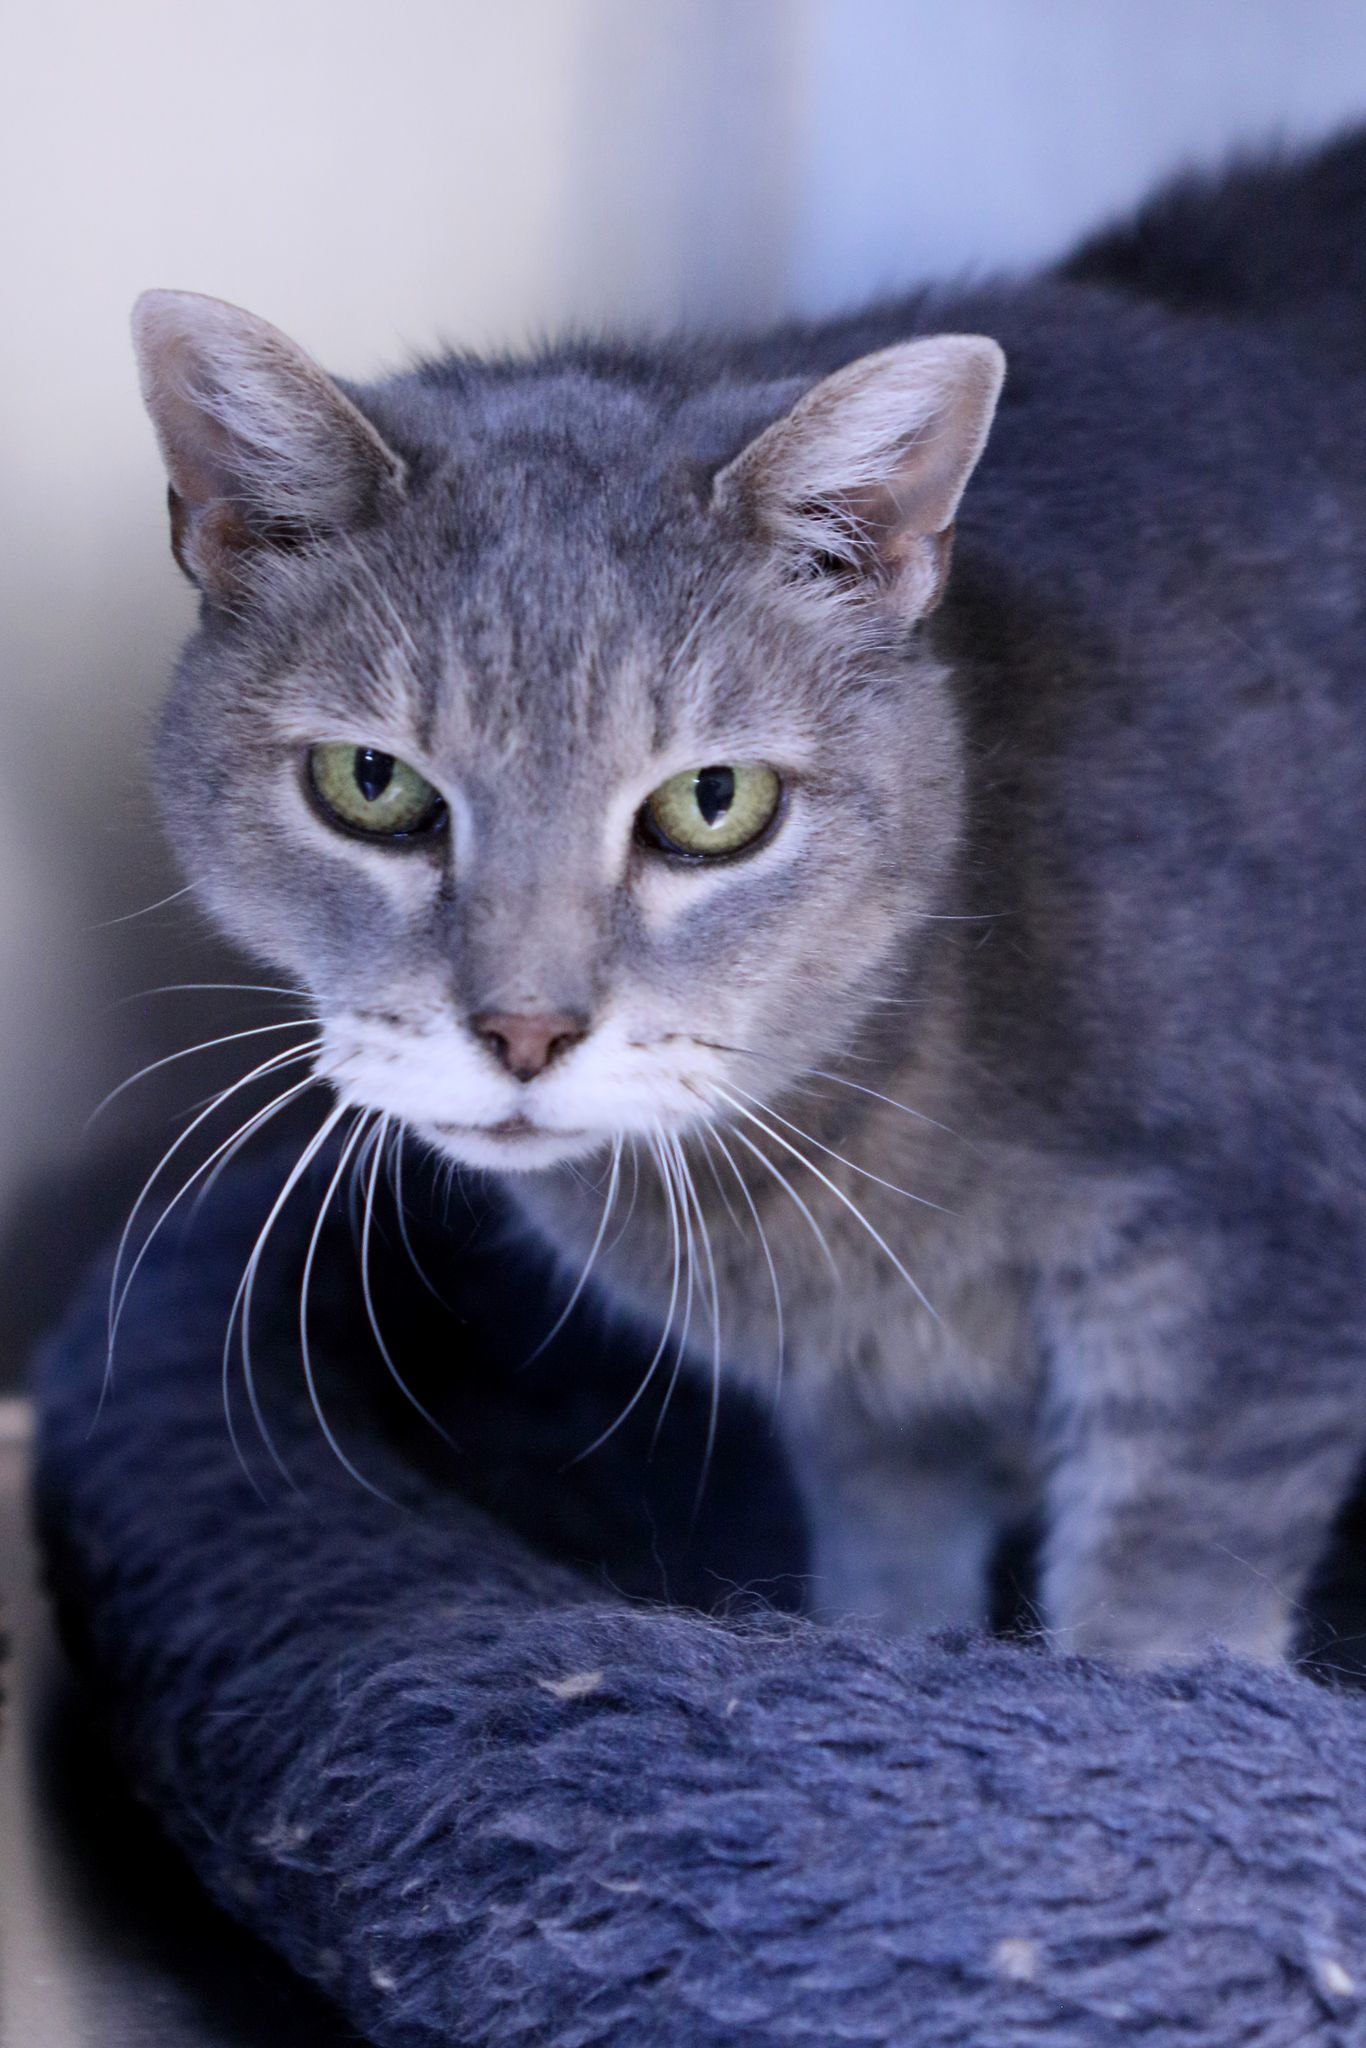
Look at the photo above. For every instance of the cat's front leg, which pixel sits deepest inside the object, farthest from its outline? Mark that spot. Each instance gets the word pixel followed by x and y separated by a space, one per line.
pixel 903 1516
pixel 1206 1418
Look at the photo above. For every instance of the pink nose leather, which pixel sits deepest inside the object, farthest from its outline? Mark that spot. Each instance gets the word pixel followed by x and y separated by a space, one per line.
pixel 527 1045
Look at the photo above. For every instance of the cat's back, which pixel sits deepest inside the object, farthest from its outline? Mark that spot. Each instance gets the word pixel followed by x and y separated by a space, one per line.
pixel 1158 616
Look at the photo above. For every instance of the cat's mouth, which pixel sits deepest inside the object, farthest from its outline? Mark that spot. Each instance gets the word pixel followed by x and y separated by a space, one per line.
pixel 515 1144
pixel 511 1129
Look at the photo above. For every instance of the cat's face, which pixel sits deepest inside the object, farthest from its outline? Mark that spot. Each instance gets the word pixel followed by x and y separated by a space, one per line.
pixel 443 762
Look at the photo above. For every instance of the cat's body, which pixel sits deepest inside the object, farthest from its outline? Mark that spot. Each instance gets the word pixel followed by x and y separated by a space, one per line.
pixel 1062 934
pixel 1144 1017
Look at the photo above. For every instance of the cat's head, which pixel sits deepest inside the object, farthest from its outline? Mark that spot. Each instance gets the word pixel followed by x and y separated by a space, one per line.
pixel 563 730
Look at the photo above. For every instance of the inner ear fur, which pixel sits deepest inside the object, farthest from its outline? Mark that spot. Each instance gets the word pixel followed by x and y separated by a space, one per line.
pixel 262 449
pixel 858 485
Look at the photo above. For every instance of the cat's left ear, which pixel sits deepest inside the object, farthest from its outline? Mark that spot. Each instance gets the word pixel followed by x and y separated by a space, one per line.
pixel 857 487
pixel 262 449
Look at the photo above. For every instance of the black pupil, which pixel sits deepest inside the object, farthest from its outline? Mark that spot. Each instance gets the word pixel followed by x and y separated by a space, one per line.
pixel 715 792
pixel 374 772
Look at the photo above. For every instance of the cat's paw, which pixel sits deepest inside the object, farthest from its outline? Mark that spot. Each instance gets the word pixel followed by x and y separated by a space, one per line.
pixel 1156 1643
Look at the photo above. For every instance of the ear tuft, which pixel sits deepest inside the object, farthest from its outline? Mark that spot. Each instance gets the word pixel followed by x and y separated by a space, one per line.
pixel 262 449
pixel 858 486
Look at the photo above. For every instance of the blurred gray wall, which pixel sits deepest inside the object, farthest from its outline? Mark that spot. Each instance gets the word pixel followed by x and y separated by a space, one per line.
pixel 375 177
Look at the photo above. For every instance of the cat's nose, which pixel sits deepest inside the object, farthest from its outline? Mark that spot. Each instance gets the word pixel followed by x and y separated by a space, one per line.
pixel 527 1045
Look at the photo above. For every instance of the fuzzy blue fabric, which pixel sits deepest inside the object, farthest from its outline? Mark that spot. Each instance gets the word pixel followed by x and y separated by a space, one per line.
pixel 529 1754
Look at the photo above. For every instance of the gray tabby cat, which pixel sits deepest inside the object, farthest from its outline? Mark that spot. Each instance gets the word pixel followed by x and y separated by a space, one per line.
pixel 607 744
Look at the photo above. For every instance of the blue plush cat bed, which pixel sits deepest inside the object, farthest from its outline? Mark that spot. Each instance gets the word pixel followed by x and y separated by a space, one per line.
pixel 523 1758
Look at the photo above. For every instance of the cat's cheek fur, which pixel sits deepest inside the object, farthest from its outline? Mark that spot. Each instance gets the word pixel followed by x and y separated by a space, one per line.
pixel 309 930
pixel 666 891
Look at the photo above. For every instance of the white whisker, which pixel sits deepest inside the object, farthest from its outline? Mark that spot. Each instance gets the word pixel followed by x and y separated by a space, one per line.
pixel 624 1224
pixel 663 1343
pixel 248 988
pixel 146 910
pixel 381 1132
pixel 395 1157
pixel 244 1136
pixel 246 1287
pixel 830 1153
pixel 859 1088
pixel 230 1144
pixel 118 1295
pixel 714 1410
pixel 788 1188
pixel 711 1132
pixel 690 1274
pixel 305 1348
pixel 839 1080
pixel 736 1223
pixel 563 1317
pixel 839 1195
pixel 205 1045
pixel 355 1189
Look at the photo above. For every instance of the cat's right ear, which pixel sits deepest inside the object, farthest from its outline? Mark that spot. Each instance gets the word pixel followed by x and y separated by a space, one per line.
pixel 262 449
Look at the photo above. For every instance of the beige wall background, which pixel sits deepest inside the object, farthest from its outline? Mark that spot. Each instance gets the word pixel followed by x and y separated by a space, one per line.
pixel 375 178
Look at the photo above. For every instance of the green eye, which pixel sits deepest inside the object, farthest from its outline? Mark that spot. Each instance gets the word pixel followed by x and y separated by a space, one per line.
pixel 363 790
pixel 707 813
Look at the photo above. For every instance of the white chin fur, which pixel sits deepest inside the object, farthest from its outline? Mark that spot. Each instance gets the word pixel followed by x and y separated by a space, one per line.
pixel 533 1153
